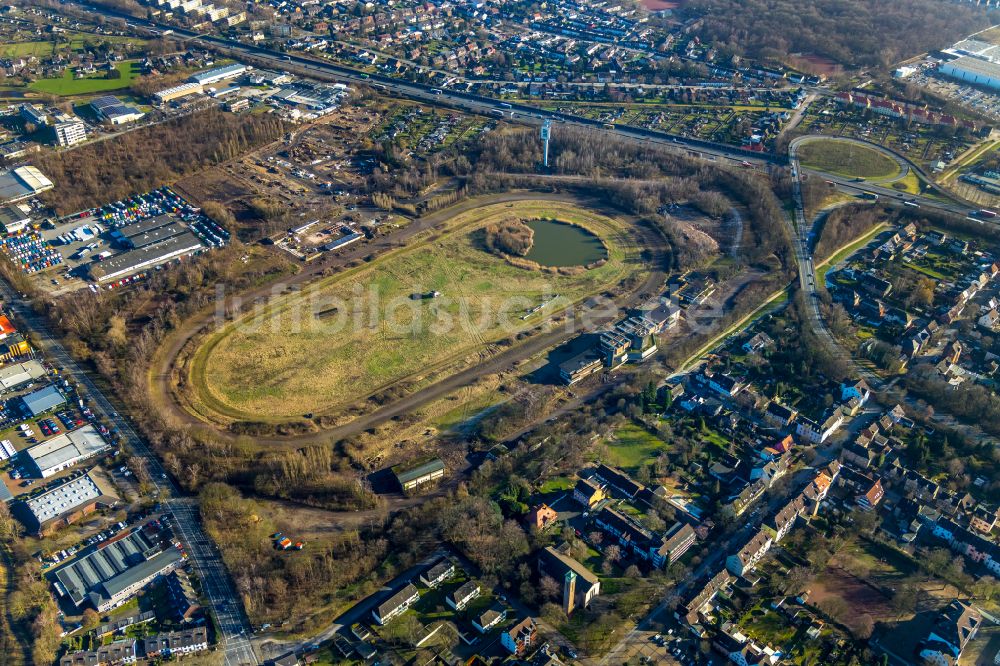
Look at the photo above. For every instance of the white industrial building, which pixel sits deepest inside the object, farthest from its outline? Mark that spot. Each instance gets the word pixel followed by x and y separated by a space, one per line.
pixel 22 183
pixel 148 256
pixel 66 450
pixel 973 70
pixel 16 374
pixel 71 133
pixel 211 76
pixel 113 110
pixel 177 92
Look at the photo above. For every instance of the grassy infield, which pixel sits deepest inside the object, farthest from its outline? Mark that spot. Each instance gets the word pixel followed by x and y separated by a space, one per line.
pixel 846 159
pixel 286 361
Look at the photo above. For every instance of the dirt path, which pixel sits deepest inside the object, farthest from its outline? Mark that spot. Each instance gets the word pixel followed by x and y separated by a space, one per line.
pixel 161 374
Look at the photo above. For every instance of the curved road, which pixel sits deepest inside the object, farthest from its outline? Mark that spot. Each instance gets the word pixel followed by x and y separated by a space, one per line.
pixel 161 379
pixel 801 231
pixel 901 162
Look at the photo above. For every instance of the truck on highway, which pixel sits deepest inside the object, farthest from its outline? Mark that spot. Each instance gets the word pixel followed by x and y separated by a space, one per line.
pixel 869 195
pixel 911 203
pixel 983 212
pixel 497 112
pixel 504 105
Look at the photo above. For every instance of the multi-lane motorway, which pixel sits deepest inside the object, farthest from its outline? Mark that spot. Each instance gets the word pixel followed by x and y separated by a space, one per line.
pixel 324 69
pixel 225 605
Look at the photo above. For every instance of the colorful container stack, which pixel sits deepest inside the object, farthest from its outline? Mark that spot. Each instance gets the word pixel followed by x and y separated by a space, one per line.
pixel 29 251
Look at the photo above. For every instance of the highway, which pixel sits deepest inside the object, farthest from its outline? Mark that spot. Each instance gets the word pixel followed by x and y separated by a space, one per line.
pixel 324 69
pixel 800 234
pixel 224 603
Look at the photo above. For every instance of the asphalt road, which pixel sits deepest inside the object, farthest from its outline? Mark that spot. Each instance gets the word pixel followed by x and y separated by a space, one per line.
pixel 224 603
pixel 321 68
pixel 807 283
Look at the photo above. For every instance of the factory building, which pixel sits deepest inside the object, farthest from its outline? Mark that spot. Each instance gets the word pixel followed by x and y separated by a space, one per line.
pixel 114 572
pixel 65 450
pixel 66 504
pixel 113 110
pixel 148 256
pixel 211 76
pixel 177 92
pixel 22 183
pixel 973 70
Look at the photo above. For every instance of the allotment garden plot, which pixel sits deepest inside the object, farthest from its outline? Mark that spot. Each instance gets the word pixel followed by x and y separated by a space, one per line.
pixel 409 315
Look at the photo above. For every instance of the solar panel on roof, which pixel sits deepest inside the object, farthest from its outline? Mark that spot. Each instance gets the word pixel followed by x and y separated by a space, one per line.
pixel 104 102
pixel 118 110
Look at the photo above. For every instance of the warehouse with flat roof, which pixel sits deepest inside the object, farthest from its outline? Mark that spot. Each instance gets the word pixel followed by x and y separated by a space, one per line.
pixel 133 261
pixel 208 77
pixel 22 183
pixel 65 504
pixel 16 374
pixel 40 401
pixel 65 450
pixel 142 226
pixel 973 70
pixel 177 92
pixel 111 574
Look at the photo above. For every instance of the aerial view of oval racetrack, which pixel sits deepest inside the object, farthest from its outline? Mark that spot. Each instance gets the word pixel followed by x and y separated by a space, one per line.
pixel 408 319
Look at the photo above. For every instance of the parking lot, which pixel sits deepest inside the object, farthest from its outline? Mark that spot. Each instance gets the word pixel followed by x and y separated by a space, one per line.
pixel 975 99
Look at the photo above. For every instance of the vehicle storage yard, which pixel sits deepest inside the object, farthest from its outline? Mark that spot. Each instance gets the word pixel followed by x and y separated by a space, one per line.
pixel 121 241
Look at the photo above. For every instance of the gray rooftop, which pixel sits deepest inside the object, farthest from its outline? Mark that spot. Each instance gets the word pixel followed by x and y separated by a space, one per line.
pixel 42 400
pixel 150 567
pixel 156 235
pixel 68 497
pixel 77 445
pixel 16 374
pixel 976 66
pixel 84 574
pixel 148 256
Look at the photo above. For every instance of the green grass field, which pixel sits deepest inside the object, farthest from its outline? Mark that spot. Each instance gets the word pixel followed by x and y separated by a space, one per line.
pixel 356 333
pixel 632 447
pixel 67 85
pixel 846 159
pixel 72 41
pixel 26 49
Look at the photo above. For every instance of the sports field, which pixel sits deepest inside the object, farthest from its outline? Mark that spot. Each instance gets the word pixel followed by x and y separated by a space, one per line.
pixel 846 159
pixel 345 337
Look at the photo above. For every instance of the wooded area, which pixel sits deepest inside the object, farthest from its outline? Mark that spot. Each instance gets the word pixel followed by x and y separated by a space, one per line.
pixel 510 237
pixel 152 157
pixel 849 32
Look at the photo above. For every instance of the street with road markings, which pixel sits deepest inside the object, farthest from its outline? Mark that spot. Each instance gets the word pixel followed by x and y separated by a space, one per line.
pixel 224 603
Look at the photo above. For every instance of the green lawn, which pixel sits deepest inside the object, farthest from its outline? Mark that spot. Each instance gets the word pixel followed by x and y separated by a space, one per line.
pixel 846 159
pixel 767 626
pixel 632 447
pixel 73 41
pixel 826 265
pixel 556 484
pixel 26 49
pixel 67 85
